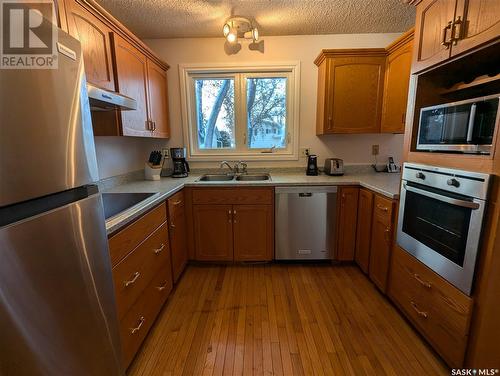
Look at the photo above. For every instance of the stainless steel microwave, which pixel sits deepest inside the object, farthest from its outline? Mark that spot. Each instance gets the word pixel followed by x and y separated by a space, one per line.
pixel 465 127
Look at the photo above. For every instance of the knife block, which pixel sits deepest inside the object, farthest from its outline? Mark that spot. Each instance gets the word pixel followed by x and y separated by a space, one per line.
pixel 152 172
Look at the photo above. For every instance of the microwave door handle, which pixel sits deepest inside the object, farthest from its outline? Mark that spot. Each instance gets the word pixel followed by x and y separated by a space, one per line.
pixel 449 200
pixel 470 127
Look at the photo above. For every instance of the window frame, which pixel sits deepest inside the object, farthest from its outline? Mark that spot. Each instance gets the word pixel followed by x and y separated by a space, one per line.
pixel 189 72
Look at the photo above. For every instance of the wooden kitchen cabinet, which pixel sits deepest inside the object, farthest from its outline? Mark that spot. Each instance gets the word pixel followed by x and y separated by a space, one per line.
pixel 364 228
pixel 233 224
pixel 94 37
pixel 381 241
pixel 178 233
pixel 213 232
pixel 158 100
pixel 132 81
pixel 476 22
pixel 447 28
pixel 253 232
pixel 397 80
pixel 347 212
pixel 350 80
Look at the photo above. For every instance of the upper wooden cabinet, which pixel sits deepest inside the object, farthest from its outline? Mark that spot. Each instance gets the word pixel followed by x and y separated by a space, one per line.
pixel 397 80
pixel 364 90
pixel 446 28
pixel 158 99
pixel 347 212
pixel 132 81
pixel 94 36
pixel 350 80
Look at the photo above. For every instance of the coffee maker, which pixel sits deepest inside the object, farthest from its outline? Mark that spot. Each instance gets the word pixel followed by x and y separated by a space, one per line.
pixel 312 165
pixel 180 168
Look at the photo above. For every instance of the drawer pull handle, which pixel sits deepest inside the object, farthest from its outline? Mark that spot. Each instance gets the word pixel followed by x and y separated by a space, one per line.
pixel 138 327
pixel 419 312
pixel 383 208
pixel 132 281
pixel 162 287
pixel 172 226
pixel 421 281
pixel 158 250
pixel 177 202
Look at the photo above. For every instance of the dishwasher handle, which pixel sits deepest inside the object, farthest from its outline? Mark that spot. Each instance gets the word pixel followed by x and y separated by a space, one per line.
pixel 305 194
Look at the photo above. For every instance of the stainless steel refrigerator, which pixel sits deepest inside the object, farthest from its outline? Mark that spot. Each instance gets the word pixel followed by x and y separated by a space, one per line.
pixel 57 305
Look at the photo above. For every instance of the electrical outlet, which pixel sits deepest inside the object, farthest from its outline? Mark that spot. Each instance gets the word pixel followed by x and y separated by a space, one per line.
pixel 304 152
pixel 165 152
pixel 375 149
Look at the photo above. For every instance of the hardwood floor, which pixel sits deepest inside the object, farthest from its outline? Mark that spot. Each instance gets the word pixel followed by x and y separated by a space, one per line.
pixel 283 320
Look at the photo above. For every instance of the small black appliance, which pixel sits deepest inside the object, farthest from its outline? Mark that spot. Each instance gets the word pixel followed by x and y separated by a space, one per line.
pixel 312 165
pixel 180 165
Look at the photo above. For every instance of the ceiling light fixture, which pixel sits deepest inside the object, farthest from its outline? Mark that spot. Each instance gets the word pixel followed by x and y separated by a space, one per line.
pixel 240 28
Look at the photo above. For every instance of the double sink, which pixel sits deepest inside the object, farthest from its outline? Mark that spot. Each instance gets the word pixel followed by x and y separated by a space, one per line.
pixel 226 177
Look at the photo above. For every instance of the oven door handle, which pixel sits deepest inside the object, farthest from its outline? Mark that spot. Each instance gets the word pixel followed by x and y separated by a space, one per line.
pixel 449 200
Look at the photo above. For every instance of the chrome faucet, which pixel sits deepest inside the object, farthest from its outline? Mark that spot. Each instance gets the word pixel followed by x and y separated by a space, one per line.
pixel 226 163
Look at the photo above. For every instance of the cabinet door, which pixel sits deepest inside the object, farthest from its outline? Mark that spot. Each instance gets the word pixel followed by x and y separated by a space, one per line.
pixel 158 100
pixel 253 232
pixel 356 99
pixel 432 27
pixel 381 242
pixel 397 81
pixel 131 71
pixel 347 212
pixel 364 228
pixel 482 24
pixel 178 243
pixel 213 232
pixel 95 39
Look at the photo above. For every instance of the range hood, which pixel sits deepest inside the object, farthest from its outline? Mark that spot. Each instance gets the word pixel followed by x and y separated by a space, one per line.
pixel 105 100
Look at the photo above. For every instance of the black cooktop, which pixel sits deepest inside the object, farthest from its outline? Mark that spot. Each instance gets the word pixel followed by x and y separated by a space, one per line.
pixel 115 203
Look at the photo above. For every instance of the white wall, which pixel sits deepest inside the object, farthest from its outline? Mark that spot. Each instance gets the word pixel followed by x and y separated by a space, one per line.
pixel 117 155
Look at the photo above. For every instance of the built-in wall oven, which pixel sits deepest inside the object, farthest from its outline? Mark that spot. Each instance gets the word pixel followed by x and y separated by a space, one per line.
pixel 440 218
pixel 466 127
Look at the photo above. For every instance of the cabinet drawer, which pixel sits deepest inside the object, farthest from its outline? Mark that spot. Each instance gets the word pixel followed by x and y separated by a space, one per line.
pixel 440 310
pixel 135 325
pixel 383 208
pixel 176 203
pixel 137 269
pixel 131 236
pixel 233 196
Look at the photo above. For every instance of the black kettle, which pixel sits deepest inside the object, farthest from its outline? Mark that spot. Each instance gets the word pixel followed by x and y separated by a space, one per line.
pixel 312 165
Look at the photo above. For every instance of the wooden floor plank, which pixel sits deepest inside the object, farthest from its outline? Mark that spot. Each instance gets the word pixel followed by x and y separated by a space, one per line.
pixel 281 319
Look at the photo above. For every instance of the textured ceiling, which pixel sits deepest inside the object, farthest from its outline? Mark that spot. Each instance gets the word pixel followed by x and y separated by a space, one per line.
pixel 204 18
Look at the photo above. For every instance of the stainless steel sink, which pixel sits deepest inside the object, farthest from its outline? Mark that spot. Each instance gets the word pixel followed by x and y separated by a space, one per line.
pixel 254 177
pixel 216 177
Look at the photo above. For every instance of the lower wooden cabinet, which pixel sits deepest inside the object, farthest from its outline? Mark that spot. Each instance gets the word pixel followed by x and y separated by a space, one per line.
pixel 381 241
pixel 440 311
pixel 253 232
pixel 213 231
pixel 347 214
pixel 364 229
pixel 233 224
pixel 142 275
pixel 178 234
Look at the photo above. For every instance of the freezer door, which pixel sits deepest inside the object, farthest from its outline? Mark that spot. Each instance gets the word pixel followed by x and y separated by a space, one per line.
pixel 57 305
pixel 46 138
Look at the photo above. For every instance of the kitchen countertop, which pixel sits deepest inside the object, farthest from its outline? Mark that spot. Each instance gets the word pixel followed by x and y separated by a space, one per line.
pixel 383 183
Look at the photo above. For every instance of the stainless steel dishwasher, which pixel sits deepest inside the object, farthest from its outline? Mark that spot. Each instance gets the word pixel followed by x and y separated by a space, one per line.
pixel 305 222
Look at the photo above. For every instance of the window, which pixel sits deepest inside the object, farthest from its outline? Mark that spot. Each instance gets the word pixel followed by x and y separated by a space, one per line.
pixel 245 112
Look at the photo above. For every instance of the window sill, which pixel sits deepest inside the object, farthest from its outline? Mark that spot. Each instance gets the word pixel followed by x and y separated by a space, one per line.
pixel 245 157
